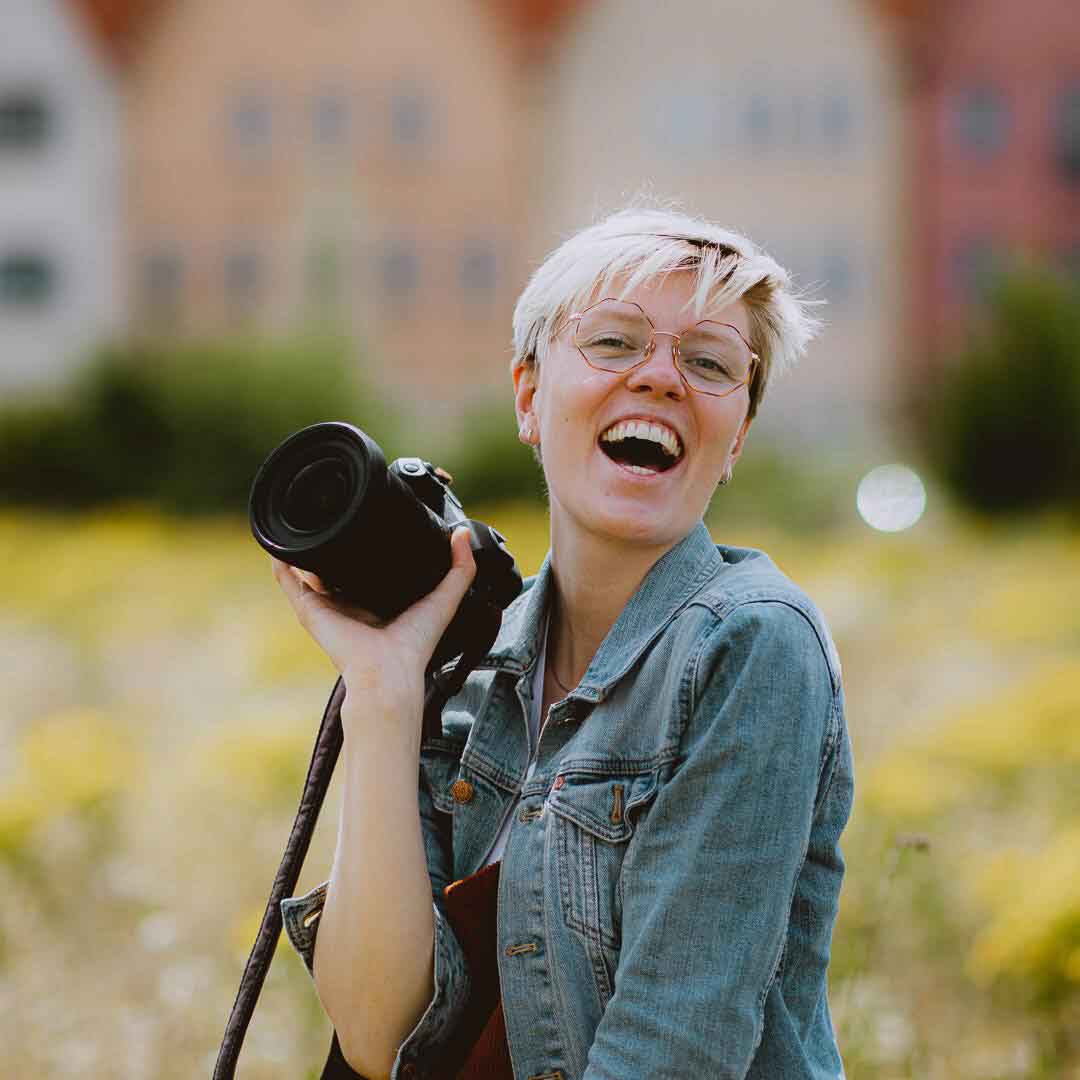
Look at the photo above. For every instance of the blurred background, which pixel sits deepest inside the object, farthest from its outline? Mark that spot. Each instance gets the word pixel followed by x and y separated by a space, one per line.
pixel 221 220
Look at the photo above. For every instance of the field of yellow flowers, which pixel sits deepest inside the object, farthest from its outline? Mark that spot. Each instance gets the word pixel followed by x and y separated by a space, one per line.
pixel 159 704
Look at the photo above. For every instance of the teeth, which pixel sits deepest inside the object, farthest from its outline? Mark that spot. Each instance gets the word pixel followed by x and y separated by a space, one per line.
pixel 642 429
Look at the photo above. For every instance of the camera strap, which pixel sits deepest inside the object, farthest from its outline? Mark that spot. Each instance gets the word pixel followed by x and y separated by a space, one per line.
pixel 328 742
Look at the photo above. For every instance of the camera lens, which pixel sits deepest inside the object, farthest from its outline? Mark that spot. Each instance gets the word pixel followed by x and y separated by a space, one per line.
pixel 316 497
pixel 325 501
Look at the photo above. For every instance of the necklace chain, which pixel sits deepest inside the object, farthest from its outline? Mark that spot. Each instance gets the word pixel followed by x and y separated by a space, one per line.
pixel 550 664
pixel 562 686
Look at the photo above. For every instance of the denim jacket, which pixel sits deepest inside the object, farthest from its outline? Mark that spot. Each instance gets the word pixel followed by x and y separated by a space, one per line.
pixel 670 882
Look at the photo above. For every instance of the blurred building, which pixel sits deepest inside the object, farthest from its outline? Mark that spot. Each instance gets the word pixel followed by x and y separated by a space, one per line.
pixel 992 92
pixel 60 193
pixel 777 118
pixel 330 167
pixel 394 172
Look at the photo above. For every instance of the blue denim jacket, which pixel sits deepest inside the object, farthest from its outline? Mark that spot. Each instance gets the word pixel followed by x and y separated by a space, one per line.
pixel 671 878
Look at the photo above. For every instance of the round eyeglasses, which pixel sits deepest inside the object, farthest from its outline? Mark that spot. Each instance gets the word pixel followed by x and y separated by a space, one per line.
pixel 617 336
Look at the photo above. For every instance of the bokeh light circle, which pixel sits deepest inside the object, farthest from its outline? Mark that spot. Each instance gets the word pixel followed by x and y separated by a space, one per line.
pixel 891 498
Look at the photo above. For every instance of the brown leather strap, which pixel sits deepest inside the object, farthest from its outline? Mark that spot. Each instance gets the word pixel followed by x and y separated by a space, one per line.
pixel 320 769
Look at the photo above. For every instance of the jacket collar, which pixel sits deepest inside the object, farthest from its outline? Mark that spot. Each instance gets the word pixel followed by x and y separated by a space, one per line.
pixel 675 578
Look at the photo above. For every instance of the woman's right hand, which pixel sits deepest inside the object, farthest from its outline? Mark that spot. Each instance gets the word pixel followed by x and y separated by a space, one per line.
pixel 381 663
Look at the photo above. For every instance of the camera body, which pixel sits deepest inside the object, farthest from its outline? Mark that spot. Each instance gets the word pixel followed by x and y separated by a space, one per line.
pixel 377 535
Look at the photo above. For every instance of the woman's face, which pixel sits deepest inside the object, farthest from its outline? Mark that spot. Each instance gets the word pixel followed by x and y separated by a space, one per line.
pixel 571 410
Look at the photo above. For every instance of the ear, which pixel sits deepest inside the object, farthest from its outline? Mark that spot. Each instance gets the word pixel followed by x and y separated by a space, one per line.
pixel 526 375
pixel 737 445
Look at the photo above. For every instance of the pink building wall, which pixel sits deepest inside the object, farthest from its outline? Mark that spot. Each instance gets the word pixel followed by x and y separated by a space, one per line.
pixel 987 81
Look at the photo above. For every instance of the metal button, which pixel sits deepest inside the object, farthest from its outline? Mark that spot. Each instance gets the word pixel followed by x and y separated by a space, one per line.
pixel 462 791
pixel 559 781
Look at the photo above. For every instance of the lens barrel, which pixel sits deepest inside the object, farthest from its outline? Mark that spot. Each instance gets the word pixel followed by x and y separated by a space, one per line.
pixel 325 501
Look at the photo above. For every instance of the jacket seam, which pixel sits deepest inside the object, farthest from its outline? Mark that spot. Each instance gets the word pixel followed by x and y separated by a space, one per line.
pixel 829 763
pixel 724 609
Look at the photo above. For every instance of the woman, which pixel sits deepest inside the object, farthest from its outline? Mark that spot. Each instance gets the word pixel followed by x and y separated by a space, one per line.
pixel 655 749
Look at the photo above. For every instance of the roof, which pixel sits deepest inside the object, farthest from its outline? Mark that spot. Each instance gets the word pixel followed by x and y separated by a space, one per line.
pixel 532 27
pixel 908 13
pixel 113 22
pixel 534 23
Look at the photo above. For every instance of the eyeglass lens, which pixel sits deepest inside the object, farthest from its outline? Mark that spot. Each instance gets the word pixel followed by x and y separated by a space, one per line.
pixel 614 336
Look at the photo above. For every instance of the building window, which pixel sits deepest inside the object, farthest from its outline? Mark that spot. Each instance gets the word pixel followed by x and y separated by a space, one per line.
pixel 250 123
pixel 161 283
pixel 27 279
pixel 837 120
pixel 330 120
pixel 25 120
pixel 981 120
pixel 478 269
pixel 411 118
pixel 399 271
pixel 1067 135
pixel 757 121
pixel 243 280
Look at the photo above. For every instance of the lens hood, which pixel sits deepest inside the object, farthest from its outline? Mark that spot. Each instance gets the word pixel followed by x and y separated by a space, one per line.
pixel 309 492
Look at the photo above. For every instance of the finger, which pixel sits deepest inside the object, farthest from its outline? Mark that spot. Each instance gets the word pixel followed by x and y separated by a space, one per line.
pixel 301 596
pixel 284 576
pixel 312 581
pixel 438 607
pixel 295 583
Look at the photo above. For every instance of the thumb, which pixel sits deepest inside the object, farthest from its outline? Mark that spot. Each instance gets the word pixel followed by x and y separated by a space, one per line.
pixel 434 612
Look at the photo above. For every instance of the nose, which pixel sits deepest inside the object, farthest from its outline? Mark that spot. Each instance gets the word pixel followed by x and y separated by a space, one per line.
pixel 658 373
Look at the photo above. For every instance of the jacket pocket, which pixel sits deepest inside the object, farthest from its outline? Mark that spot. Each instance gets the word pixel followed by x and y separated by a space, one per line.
pixel 593 819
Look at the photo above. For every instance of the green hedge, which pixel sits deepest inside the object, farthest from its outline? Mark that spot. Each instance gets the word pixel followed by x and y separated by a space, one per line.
pixel 183 427
pixel 1003 426
pixel 490 464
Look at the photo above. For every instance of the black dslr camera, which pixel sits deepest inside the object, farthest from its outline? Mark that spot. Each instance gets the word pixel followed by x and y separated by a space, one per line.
pixel 379 536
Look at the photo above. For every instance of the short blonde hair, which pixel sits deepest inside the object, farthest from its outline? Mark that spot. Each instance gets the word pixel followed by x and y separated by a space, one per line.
pixel 638 244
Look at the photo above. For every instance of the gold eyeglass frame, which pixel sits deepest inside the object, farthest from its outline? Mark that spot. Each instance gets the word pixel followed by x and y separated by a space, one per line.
pixel 651 348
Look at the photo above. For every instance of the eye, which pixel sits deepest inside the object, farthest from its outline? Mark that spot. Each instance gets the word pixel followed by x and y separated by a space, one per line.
pixel 609 340
pixel 707 365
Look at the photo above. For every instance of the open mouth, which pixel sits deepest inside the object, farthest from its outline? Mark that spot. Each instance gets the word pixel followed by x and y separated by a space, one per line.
pixel 642 447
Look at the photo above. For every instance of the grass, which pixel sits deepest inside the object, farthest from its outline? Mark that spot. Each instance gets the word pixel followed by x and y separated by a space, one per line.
pixel 160 704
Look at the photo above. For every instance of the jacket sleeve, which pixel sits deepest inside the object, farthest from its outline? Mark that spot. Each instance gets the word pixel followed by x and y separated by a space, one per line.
pixel 711 870
pixel 450 988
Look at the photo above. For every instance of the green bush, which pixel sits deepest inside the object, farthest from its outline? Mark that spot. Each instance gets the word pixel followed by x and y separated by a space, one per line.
pixel 183 427
pixel 490 464
pixel 775 487
pixel 1003 427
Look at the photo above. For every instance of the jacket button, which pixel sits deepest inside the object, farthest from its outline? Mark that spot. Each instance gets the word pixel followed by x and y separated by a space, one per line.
pixel 462 791
pixel 559 781
pixel 408 1072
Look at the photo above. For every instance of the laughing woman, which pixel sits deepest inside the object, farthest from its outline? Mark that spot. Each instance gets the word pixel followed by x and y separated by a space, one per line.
pixel 622 858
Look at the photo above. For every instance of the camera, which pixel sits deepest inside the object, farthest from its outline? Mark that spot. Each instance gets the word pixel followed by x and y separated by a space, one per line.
pixel 377 535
